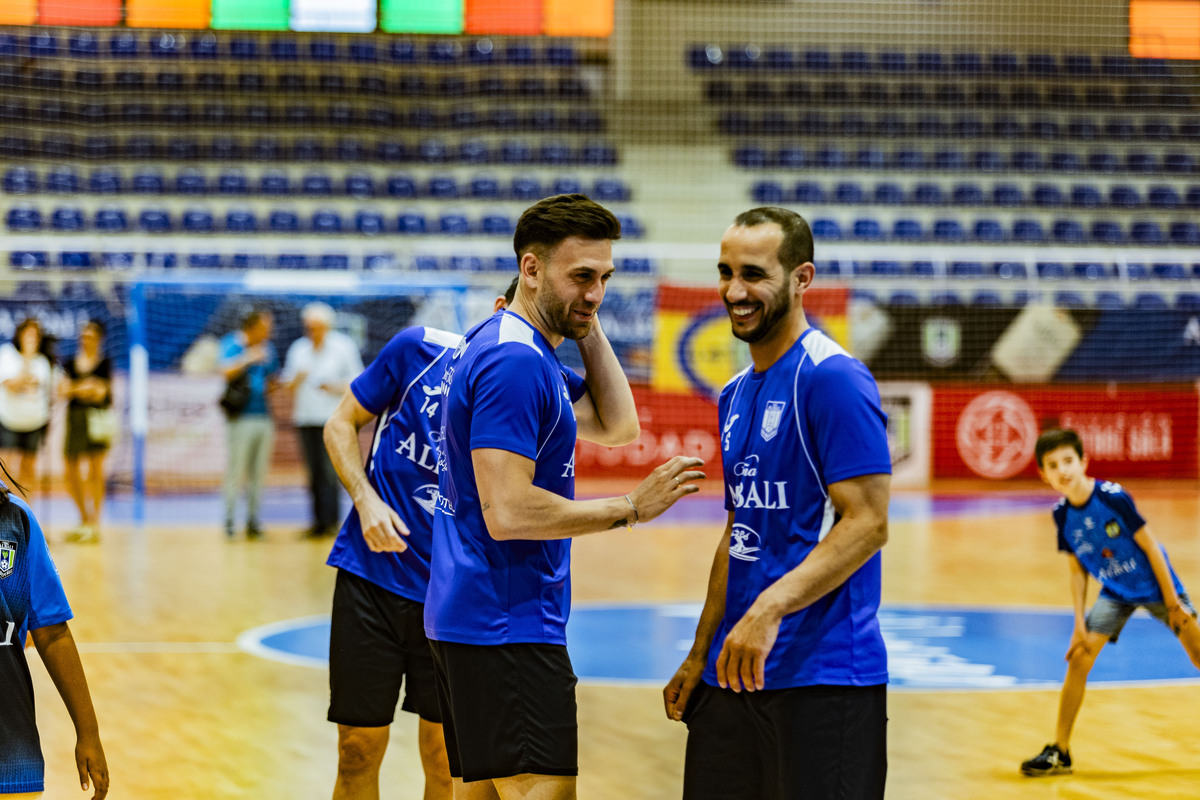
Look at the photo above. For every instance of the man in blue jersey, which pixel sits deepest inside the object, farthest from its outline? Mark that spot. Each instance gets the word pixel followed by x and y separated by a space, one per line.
pixel 499 587
pixel 377 638
pixel 1101 529
pixel 32 600
pixel 783 691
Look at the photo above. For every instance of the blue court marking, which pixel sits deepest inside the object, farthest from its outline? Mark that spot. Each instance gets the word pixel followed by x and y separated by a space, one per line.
pixel 930 648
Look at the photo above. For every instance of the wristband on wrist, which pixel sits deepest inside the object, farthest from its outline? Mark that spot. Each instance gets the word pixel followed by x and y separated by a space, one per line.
pixel 635 513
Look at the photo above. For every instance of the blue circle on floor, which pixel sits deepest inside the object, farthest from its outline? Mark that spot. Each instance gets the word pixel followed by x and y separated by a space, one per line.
pixel 929 647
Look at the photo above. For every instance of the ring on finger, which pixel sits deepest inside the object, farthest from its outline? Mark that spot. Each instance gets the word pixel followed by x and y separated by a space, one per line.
pixel 677 481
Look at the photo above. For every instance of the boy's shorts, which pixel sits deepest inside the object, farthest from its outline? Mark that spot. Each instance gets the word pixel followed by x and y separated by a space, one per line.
pixel 1108 615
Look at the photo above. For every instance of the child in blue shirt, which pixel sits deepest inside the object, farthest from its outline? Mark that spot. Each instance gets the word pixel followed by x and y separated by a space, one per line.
pixel 32 600
pixel 1099 526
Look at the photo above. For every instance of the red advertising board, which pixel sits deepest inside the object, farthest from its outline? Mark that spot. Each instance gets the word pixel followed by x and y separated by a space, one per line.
pixel 1144 431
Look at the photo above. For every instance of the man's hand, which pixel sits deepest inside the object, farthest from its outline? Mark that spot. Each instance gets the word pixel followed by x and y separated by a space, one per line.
pixel 1079 639
pixel 679 689
pixel 742 663
pixel 666 484
pixel 382 527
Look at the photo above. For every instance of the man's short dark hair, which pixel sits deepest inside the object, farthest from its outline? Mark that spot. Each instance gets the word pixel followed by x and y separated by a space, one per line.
pixel 797 245
pixel 1054 438
pixel 511 291
pixel 546 223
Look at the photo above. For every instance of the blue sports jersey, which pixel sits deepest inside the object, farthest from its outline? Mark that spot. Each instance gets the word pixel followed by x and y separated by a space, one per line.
pixel 506 389
pixel 232 346
pixel 812 419
pixel 403 388
pixel 31 597
pixel 1100 534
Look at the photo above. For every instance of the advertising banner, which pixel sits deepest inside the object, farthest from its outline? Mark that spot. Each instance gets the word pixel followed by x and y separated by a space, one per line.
pixel 1142 431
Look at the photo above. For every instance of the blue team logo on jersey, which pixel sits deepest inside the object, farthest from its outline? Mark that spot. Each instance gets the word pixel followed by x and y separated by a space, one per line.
pixel 8 557
pixel 771 418
pixel 426 497
pixel 745 543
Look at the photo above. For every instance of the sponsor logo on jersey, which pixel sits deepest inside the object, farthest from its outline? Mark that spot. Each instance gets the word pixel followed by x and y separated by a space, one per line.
pixel 1117 568
pixel 1112 528
pixel 426 457
pixel 431 404
pixel 426 497
pixel 760 494
pixel 744 543
pixel 996 433
pixel 725 434
pixel 8 557
pixel 747 468
pixel 569 467
pixel 771 417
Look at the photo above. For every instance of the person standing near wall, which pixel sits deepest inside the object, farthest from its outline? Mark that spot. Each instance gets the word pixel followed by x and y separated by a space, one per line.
pixel 87 387
pixel 250 434
pixel 318 369
pixel 26 390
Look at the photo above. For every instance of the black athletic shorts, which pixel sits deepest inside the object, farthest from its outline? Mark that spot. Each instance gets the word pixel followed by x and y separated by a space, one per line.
pixel 811 742
pixel 507 709
pixel 376 643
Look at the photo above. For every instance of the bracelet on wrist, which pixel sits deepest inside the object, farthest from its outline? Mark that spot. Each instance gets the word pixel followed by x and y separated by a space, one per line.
pixel 630 525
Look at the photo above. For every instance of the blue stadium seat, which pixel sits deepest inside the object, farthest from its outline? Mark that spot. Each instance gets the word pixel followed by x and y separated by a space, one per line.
pixel 1136 271
pixel 554 153
pixel 62 179
pixel 104 181
pixel 1007 194
pixel 908 159
pixel 239 220
pixel 1150 301
pixel 1067 298
pixel 750 157
pixel 1107 232
pixel 870 157
pixel 111 220
pixel 868 229
pixel 283 221
pixel 1028 231
pixel 520 53
pixel 76 260
pixel 610 190
pixel 965 269
pixel 892 62
pixel 884 268
pixel 1192 198
pixel 1185 233
pixel 1187 301
pixel 432 151
pixel 809 192
pixel 950 160
pixel 28 259
pixel 198 220
pixel 496 225
pixel 1006 126
pixel 485 187
pixel 1082 128
pixel 274 183
pixel 24 218
pixel 948 230
pixel 1043 64
pixel 411 222
pixel 968 127
pixel 291 261
pixel 442 187
pixel 967 194
pixel 908 230
pixel 1065 161
pixel 767 192
pixel 1141 162
pixel 988 161
pixel 234 183
pixel 204 260
pixel 826 229
pixel 888 193
pixel 359 185
pixel 81 44
pixel 526 188
pixel 243 49
pixel 1027 161
pixel 369 223
pixel 1091 271
pixel 166 45
pixel 1085 195
pixel 1079 64
pixel 1123 195
pixel 513 151
pixel 402 186
pixel 1067 231
pixel 474 151
pixel 1169 271
pixel 945 297
pixel 149 182
pixel 922 269
pixel 928 194
pixel 123 45
pixel 830 158
pixel 988 230
pixel 1146 232
pixel 630 227
pixel 191 182
pixel 1108 301
pixel 848 192
pixel 1103 162
pixel 155 220
pixel 1047 195
pixel 326 221
pixel 1009 270
pixel 899 297
pixel 67 219
pixel 565 184
pixel 1044 128
pixel 20 180
pixel 1179 163
pixel 855 61
pixel 1161 196
pixel 453 223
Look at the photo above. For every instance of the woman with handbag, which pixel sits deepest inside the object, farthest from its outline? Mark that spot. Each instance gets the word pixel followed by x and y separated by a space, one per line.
pixel 91 427
pixel 26 389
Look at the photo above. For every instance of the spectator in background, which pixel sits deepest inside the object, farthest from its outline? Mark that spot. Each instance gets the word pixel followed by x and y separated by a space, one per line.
pixel 318 370
pixel 87 387
pixel 26 373
pixel 250 434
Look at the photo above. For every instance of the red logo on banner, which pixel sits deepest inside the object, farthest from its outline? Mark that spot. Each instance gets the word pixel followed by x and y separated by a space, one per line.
pixel 996 434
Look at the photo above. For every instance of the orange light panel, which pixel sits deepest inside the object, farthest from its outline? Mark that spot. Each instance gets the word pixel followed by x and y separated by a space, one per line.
pixel 513 17
pixel 573 18
pixel 79 12
pixel 18 12
pixel 1164 29
pixel 167 13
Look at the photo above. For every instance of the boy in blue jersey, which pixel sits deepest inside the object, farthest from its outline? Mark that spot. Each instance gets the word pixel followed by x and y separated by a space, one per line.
pixel 377 637
pixel 499 586
pixel 32 600
pixel 1101 529
pixel 784 689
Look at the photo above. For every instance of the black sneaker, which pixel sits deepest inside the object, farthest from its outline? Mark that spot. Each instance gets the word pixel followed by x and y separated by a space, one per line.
pixel 1051 761
pixel 253 532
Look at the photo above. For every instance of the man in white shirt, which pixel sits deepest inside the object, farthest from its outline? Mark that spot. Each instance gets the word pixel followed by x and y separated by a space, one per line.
pixel 318 369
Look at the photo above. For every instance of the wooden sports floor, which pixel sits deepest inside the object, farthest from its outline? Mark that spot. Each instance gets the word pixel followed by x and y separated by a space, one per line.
pixel 185 714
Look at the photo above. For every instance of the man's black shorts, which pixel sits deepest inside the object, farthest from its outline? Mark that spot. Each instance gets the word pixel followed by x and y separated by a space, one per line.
pixel 811 742
pixel 507 709
pixel 376 643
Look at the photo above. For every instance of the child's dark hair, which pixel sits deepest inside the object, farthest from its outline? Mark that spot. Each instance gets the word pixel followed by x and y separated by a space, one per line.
pixel 1055 438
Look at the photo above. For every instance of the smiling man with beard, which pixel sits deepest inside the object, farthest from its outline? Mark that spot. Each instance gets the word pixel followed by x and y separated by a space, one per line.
pixel 499 589
pixel 783 691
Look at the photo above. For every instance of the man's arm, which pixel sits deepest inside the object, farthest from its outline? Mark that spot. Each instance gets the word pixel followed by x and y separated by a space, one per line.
pixel 1176 613
pixel 679 689
pixel 862 505
pixel 1079 583
pixel 514 508
pixel 606 414
pixel 57 648
pixel 382 527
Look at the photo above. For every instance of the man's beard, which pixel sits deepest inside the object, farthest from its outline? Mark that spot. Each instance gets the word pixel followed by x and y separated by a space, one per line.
pixel 558 316
pixel 780 306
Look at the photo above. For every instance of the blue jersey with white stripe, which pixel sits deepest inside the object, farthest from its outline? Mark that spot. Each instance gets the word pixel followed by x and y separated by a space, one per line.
pixel 403 388
pixel 810 420
pixel 31 597
pixel 506 389
pixel 1100 534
